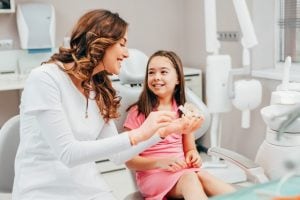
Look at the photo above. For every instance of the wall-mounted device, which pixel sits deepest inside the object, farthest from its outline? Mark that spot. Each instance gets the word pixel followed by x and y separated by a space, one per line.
pixel 36 25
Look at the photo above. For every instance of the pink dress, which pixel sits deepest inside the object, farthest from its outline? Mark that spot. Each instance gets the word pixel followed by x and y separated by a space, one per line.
pixel 155 184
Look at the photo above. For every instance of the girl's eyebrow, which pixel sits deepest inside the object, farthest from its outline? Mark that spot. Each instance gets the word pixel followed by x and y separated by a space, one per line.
pixel 165 68
pixel 160 68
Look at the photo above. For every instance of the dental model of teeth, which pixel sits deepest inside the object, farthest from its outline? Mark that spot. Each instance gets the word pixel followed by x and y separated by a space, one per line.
pixel 190 110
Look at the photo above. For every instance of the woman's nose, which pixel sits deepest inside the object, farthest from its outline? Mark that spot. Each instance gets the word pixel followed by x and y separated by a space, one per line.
pixel 126 53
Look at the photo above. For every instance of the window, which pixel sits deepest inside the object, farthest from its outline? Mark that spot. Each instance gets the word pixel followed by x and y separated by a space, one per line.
pixel 289 30
pixel 7 6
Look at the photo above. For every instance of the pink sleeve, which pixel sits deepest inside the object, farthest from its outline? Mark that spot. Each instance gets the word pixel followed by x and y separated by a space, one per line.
pixel 133 120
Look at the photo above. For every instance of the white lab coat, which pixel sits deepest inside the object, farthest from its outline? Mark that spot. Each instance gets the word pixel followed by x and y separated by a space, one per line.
pixel 59 146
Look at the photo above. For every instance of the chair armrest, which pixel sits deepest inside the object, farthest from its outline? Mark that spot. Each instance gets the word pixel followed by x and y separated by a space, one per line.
pixel 253 171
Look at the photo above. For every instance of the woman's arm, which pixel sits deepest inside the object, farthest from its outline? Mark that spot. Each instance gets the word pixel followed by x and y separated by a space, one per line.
pixel 58 135
pixel 46 108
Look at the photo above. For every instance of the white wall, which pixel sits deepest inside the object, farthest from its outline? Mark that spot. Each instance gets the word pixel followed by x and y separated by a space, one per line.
pixel 153 25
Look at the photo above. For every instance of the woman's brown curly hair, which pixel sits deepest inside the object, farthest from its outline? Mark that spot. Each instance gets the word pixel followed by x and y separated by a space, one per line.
pixel 92 35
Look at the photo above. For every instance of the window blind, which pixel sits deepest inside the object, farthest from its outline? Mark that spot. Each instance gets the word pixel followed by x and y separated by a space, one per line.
pixel 289 30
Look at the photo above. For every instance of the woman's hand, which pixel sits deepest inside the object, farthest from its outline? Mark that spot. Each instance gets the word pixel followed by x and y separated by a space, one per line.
pixel 193 159
pixel 183 125
pixel 170 164
pixel 153 122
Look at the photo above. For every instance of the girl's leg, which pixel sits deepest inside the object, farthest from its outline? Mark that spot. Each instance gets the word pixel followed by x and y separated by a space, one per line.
pixel 188 187
pixel 212 185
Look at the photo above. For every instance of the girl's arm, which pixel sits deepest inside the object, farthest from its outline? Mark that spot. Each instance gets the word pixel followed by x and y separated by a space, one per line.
pixel 188 141
pixel 140 163
pixel 192 157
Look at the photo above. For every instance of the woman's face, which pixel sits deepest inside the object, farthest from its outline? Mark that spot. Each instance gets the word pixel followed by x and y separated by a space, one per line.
pixel 114 55
pixel 162 77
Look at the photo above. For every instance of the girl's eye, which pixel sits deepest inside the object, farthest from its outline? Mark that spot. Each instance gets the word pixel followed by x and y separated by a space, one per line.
pixel 164 72
pixel 150 72
pixel 122 45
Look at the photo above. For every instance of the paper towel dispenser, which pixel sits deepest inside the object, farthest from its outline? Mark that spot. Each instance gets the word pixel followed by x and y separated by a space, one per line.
pixel 36 25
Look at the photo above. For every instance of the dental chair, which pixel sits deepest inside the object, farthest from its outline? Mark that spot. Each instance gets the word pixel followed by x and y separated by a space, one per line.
pixel 9 141
pixel 129 87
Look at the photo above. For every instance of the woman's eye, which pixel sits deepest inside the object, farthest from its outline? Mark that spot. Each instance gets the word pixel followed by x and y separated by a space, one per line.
pixel 150 73
pixel 164 72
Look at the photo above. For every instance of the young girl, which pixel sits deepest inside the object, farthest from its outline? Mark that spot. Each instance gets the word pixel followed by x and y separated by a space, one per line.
pixel 170 168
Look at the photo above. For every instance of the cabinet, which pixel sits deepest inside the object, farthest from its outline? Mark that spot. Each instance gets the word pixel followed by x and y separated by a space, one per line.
pixel 118 177
pixel 193 80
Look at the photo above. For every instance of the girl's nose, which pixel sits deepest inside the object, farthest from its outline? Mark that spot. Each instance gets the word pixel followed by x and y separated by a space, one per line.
pixel 157 76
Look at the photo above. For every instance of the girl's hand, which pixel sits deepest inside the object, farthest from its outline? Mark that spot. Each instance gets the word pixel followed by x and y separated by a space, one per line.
pixel 183 125
pixel 170 164
pixel 193 123
pixel 193 159
pixel 176 126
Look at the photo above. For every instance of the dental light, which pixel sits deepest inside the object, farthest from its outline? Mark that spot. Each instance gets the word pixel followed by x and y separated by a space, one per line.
pixel 221 90
pixel 244 101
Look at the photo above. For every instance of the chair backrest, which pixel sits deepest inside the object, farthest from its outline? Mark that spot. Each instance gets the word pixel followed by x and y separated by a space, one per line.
pixel 9 142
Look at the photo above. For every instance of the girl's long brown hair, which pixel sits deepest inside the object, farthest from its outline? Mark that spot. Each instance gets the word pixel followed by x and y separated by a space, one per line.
pixel 94 32
pixel 147 99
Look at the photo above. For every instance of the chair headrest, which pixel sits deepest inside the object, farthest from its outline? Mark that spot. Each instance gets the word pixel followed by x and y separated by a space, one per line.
pixel 133 69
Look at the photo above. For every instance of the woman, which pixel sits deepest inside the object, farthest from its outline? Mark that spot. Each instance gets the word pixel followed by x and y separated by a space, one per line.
pixel 66 115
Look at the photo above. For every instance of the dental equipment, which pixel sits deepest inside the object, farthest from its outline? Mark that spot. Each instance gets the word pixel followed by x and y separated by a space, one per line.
pixel 248 41
pixel 217 70
pixel 219 74
pixel 283 128
pixel 219 77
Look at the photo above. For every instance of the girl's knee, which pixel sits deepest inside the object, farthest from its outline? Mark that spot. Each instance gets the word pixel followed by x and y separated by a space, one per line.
pixel 189 177
pixel 204 175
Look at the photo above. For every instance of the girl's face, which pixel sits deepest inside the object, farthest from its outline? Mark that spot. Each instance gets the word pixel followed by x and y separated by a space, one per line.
pixel 113 57
pixel 162 77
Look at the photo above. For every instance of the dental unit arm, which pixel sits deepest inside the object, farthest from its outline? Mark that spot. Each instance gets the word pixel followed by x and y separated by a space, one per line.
pixel 248 41
pixel 254 172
